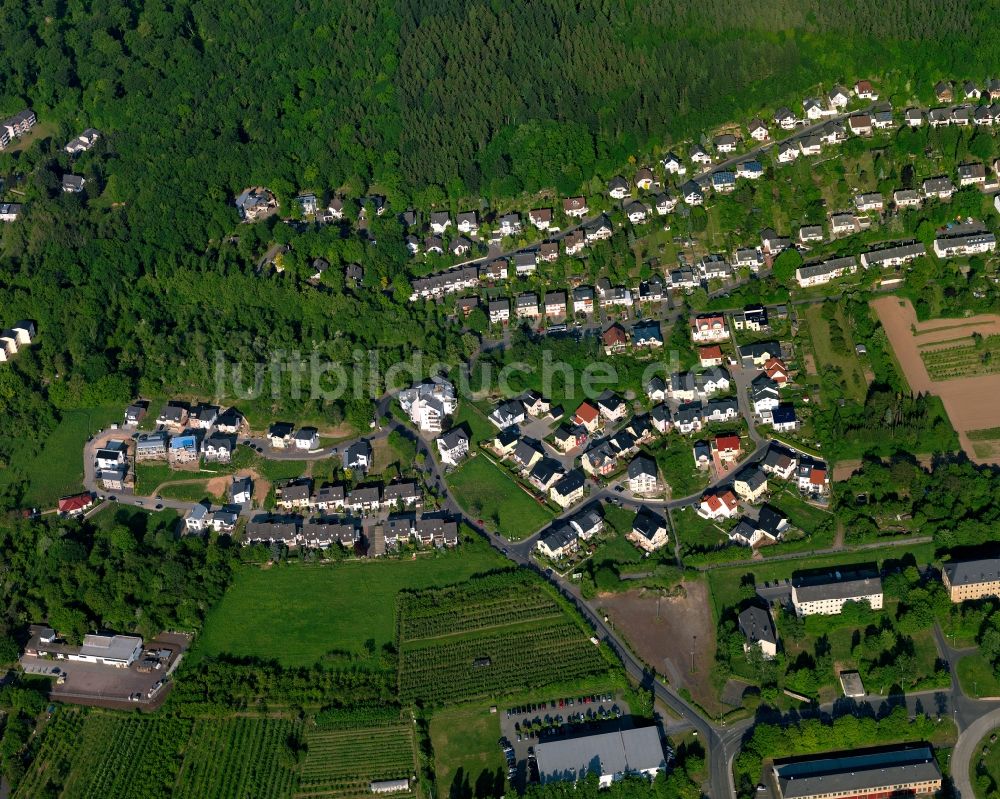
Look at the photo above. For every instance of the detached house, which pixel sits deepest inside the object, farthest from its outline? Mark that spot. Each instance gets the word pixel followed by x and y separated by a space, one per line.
pixel 618 188
pixel 674 165
pixel 718 505
pixel 611 406
pixel 649 530
pixel 692 193
pixel 644 179
pixel 758 130
pixel 541 218
pixel 568 490
pixel 499 311
pixel 575 207
pixel 468 222
pixel 453 446
pixel 750 484
pixel 726 143
pixel 588 417
pixel 709 328
pixel 614 339
pixel 865 91
pixel 574 242
pixel 971 175
pixel 938 188
pixel 642 475
pixel 555 304
pixel 527 305
pixel 860 124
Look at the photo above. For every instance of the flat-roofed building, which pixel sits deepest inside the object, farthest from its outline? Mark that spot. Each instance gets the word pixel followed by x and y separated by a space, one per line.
pixel 610 755
pixel 826 594
pixel 908 770
pixel 971 579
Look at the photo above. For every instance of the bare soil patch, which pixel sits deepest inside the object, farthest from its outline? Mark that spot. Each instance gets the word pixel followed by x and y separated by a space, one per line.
pixel 665 639
pixel 970 401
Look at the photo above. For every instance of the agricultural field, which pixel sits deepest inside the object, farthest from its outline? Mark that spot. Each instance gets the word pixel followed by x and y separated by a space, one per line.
pixel 961 357
pixel 486 492
pixel 107 756
pixel 340 762
pixel 238 757
pixel 491 637
pixel 985 443
pixel 297 613
pixel 968 397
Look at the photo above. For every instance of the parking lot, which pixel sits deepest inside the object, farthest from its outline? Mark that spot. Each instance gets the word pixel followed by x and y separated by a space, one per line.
pixel 523 726
pixel 143 685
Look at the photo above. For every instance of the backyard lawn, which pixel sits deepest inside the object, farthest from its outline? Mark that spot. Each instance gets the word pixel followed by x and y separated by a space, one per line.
pixel 695 533
pixel 486 492
pixel 842 358
pixel 297 613
pixel 465 749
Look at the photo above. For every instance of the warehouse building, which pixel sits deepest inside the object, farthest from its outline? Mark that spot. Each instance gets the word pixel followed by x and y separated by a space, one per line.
pixel 908 770
pixel 610 755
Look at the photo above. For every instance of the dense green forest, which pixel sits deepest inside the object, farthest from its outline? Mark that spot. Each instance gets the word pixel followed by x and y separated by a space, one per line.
pixel 136 283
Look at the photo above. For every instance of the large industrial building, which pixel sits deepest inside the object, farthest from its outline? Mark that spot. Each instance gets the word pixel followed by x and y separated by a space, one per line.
pixel 908 770
pixel 610 755
pixel 972 579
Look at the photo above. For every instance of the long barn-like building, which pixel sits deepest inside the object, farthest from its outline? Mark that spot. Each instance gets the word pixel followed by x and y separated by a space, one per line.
pixel 908 770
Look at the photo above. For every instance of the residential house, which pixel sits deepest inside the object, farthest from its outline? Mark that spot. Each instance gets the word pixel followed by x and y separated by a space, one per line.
pixel 721 410
pixel 294 494
pixel 860 124
pixel 833 132
pixel 196 519
pixel 10 212
pixel 812 477
pixel 466 305
pixel 869 202
pixel 750 170
pixel 689 417
pixel 748 258
pixel 173 415
pixel 710 355
pixel 588 417
pixel 548 251
pixel 810 145
pixel 906 198
pixel 645 178
pixel 664 203
pixel 507 414
pixel 813 108
pixel 574 242
pixel 252 203
pixel 674 165
pixel 358 457
pixel 218 448
pixel 702 453
pixel 780 462
pixel 587 522
pixel 618 188
pixel 844 225
pixel 785 119
pixel 725 143
pixel 692 193
pixel 453 446
pixel 723 181
pixel 709 328
pixel 583 300
pixel 535 404
pixel 401 494
pixel 505 441
pixel 429 403
pixel 183 449
pixel 495 270
pixel 684 279
pixel 611 406
pixel 499 311
pixel 555 304
pixel 440 221
pixel 660 417
pixel 971 175
pixel 545 474
pixel 280 434
pixel 637 212
pixel 818 274
pixel 467 222
pixel 959 245
pixel 614 339
pixel 938 188
pixel 557 542
pixel 883 120
pixel 752 317
pixel 719 504
pixel 526 262
pixel 575 207
pixel 783 418
pixel 750 484
pixel 758 130
pixel 772 244
pixel 787 152
pixel 135 413
pixel 758 629
pixel 727 448
pixel 111 455
pixel 827 594
pixel 939 117
pixel 364 499
pixel 764 396
pixel 73 184
pixel 151 446
pixel 838 97
pixel 647 334
pixel 699 156
pixel 893 256
pixel 76 504
pixel 568 437
pixel 526 454
pixel 865 91
pixel 241 490
pixel 330 497
pixel 600 459
pixel 649 530
pixel 651 290
pixel 914 117
pixel 460 246
pixel 600 230
pixel 568 490
pixel 758 353
pixel 642 475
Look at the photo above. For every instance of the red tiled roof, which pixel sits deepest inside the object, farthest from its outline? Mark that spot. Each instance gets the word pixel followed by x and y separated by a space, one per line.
pixel 586 413
pixel 74 503
pixel 727 442
pixel 710 352
pixel 817 477
pixel 614 335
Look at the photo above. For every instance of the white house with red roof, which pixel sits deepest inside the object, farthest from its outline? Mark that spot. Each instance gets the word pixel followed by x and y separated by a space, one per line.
pixel 75 504
pixel 710 328
pixel 722 505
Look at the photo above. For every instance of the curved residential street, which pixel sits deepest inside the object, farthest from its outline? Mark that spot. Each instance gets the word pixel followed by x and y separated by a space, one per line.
pixel 965 748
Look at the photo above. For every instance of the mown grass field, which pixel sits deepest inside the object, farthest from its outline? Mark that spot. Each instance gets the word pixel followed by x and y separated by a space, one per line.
pixel 58 469
pixel 464 739
pixel 976 676
pixel 486 492
pixel 296 613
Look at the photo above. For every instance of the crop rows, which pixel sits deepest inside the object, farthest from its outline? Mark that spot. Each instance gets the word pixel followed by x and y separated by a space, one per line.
pixel 495 613
pixel 964 360
pixel 127 757
pixel 342 762
pixel 53 760
pixel 237 757
pixel 517 660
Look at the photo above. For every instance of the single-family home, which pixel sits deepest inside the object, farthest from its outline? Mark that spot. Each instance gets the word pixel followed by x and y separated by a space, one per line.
pixel 783 418
pixel 600 459
pixel 758 130
pixel 865 91
pixel 689 417
pixel 583 300
pixel 764 396
pixel 306 439
pixel 642 475
pixel 647 334
pixel 599 230
pixel 673 164
pixel 618 188
pixel 750 484
pixel 555 304
pixel 151 446
pixel 838 97
pixel 467 222
pixel 545 473
pixel 241 490
pixel 73 184
pixel 10 212
pixel 870 201
pixel 614 339
pixel 218 448
pixel 611 406
pixel 505 441
pixel 699 156
pixel 569 436
pixel 525 262
pixel 723 181
pixel 709 328
pixel 587 416
pixel 906 198
pixel 788 152
pixel 358 456
pixel 575 207
pixel 499 311
pixel 659 415
pixel 440 221
pixel 860 124
pixel 810 145
pixel 748 258
pixel 453 446
pixel 637 212
pixel 775 369
pixel 182 449
pixel 649 530
pixel 568 489
pixel 645 178
pixel 719 504
pixel 757 353
pixel 692 193
pixel 914 117
pixel 752 317
pixel 710 355
pixel 726 447
pixel 664 202
pixel 971 174
pixel 780 462
pixel 750 170
pixel 558 541
pixel 135 413
pixel 785 119
pixel 758 629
